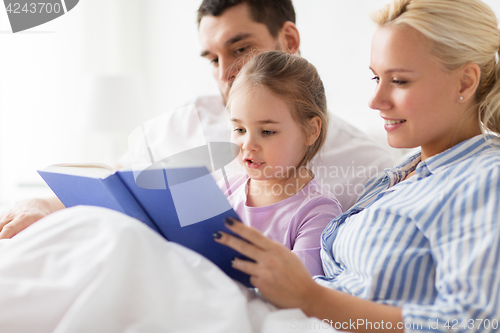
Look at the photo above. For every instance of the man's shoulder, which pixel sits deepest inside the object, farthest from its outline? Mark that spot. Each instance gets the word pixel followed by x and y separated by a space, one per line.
pixel 211 103
pixel 347 160
pixel 346 140
pixel 343 131
pixel 206 104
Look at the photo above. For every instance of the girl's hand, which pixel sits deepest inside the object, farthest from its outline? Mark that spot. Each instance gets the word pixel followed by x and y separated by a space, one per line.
pixel 278 274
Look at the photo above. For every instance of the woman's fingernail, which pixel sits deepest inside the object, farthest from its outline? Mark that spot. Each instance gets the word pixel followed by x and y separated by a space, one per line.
pixel 229 221
pixel 217 235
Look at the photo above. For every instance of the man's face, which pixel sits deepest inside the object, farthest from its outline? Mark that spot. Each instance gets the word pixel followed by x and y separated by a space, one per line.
pixel 228 39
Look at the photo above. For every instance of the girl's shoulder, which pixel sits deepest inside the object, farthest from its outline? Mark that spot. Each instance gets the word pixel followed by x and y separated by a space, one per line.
pixel 315 195
pixel 232 182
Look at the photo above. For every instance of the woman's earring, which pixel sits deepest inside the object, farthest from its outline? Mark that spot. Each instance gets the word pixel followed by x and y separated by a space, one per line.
pixel 461 98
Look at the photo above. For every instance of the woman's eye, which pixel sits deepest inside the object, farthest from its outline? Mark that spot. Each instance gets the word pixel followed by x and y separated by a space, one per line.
pixel 399 82
pixel 394 81
pixel 268 132
pixel 214 62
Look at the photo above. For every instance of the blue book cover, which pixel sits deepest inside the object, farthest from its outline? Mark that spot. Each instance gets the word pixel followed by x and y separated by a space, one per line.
pixel 184 205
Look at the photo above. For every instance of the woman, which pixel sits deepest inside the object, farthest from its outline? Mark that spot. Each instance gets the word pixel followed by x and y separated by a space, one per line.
pixel 420 248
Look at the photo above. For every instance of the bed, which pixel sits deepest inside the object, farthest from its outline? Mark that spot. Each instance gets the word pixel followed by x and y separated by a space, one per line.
pixel 89 269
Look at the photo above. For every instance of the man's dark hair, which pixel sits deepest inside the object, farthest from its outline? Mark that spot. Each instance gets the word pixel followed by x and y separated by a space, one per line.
pixel 272 13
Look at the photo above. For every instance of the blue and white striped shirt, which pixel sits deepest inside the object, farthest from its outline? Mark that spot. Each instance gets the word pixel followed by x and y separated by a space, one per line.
pixel 429 244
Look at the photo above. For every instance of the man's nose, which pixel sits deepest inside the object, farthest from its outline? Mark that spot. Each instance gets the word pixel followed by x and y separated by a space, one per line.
pixel 228 70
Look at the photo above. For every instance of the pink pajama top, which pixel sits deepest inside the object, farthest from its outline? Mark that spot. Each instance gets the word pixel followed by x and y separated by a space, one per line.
pixel 296 222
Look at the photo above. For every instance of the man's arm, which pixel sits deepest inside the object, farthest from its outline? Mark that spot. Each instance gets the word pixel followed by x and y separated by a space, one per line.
pixel 25 213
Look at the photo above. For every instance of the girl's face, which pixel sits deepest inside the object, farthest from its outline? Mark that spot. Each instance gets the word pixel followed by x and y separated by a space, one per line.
pixel 270 140
pixel 417 97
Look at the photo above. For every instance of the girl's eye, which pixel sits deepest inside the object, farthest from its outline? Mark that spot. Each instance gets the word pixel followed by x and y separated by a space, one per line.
pixel 376 79
pixel 214 62
pixel 240 130
pixel 267 133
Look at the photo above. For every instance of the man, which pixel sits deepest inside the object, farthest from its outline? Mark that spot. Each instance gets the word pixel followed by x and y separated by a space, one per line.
pixel 230 31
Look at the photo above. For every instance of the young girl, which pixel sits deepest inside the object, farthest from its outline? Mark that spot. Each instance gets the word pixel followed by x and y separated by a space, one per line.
pixel 279 120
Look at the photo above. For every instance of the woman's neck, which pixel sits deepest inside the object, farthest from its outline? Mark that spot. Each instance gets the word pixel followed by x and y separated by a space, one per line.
pixel 262 193
pixel 466 131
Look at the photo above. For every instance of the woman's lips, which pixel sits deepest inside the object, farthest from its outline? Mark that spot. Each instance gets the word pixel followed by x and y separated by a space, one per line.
pixel 393 124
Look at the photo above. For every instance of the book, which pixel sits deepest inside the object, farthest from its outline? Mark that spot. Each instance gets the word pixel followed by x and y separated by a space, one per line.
pixel 184 205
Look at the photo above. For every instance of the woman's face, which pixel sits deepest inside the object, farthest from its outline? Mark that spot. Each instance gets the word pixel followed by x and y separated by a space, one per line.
pixel 417 97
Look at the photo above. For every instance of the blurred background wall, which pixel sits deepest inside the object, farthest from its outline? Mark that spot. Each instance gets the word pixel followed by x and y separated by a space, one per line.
pixel 51 75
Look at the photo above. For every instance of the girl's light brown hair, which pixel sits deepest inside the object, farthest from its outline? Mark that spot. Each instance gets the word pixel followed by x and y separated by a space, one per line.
pixel 461 31
pixel 294 80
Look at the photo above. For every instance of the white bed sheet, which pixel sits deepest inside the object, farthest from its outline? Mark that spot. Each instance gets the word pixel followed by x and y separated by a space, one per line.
pixel 88 269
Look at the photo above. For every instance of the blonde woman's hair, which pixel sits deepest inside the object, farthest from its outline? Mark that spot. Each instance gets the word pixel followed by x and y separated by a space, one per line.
pixel 461 32
pixel 297 82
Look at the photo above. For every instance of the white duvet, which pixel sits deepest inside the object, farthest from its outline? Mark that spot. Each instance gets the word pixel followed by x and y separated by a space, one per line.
pixel 88 269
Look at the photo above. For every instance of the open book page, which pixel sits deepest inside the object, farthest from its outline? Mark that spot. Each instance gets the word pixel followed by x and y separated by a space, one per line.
pixel 93 170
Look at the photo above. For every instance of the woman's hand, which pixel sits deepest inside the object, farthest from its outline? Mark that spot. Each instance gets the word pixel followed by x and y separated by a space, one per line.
pixel 278 273
pixel 284 281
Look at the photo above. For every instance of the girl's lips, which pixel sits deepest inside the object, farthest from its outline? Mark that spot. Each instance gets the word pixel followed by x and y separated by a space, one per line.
pixel 251 164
